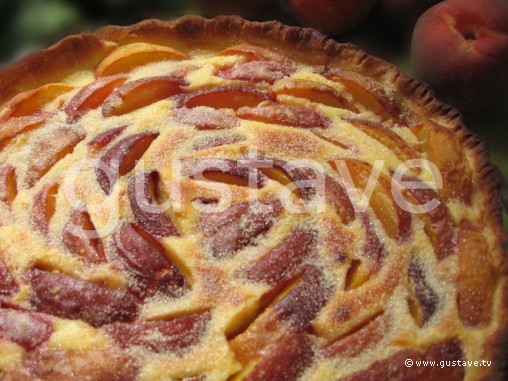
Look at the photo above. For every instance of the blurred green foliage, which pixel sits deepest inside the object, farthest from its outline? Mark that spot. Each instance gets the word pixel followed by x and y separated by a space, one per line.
pixel 31 24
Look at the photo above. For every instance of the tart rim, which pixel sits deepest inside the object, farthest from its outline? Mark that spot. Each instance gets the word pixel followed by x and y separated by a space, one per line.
pixel 83 51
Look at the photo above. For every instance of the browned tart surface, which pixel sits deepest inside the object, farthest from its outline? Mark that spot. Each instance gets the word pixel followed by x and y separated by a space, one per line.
pixel 147 231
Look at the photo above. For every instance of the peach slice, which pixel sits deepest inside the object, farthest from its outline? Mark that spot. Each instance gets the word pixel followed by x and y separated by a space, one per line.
pixel 393 368
pixel 16 126
pixel 237 227
pixel 103 139
pixel 388 138
pixel 258 71
pixel 222 170
pixel 8 184
pixel 121 158
pixel 283 262
pixel 146 258
pixel 338 198
pixel 285 115
pixel 24 328
pixel 44 206
pixel 174 335
pixel 31 102
pixel 49 150
pixel 423 301
pixel 75 365
pixel 232 97
pixel 128 57
pixel 143 196
pixel 366 337
pixel 290 313
pixel 476 284
pixel 286 174
pixel 369 94
pixel 91 97
pixel 206 118
pixel 314 91
pixel 445 151
pixel 396 221
pixel 373 250
pixel 287 361
pixel 439 225
pixel 140 93
pixel 352 308
pixel 78 238
pixel 74 298
pixel 253 53
pixel 372 258
pixel 8 286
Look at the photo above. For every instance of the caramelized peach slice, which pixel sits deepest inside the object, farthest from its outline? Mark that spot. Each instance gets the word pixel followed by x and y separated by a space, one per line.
pixel 140 93
pixel 366 337
pixel 283 262
pixel 258 71
pixel 439 225
pixel 8 184
pixel 121 158
pixel 74 298
pixel 393 368
pixel 287 361
pixel 396 221
pixel 423 301
pixel 290 313
pixel 253 53
pixel 75 365
pixel 128 57
pixel 91 97
pixel 352 308
pixel 8 286
pixel 237 227
pixel 173 335
pixel 369 94
pixel 146 258
pixel 445 151
pixel 314 91
pixel 286 174
pixel 304 301
pixel 44 207
pixel 373 249
pixel 143 196
pixel 285 115
pixel 338 198
pixel 31 102
pixel 222 170
pixel 103 139
pixel 79 237
pixel 16 126
pixel 386 137
pixel 24 328
pixel 476 282
pixel 232 97
pixel 206 118
pixel 49 150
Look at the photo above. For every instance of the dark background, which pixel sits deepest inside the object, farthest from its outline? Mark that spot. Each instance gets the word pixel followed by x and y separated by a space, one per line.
pixel 34 24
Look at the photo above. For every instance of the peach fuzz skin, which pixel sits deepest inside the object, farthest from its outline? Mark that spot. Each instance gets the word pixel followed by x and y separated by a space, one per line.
pixel 460 48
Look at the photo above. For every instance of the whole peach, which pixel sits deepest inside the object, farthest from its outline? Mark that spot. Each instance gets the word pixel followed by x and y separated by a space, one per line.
pixel 331 17
pixel 460 48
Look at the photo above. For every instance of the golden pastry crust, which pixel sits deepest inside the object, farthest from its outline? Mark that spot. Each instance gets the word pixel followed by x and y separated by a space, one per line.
pixel 414 100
